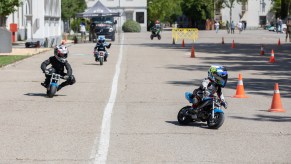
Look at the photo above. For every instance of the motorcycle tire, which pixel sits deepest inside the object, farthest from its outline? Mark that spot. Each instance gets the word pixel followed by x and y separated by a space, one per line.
pixel 52 91
pixel 152 37
pixel 216 122
pixel 101 61
pixel 182 116
pixel 159 37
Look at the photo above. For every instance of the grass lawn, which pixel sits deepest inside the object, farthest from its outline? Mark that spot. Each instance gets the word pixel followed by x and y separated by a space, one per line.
pixel 8 59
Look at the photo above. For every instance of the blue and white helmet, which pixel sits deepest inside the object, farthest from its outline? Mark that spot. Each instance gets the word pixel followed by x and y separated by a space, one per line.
pixel 218 74
pixel 101 39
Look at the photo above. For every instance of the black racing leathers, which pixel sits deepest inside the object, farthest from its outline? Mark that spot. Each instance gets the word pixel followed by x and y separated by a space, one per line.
pixel 58 68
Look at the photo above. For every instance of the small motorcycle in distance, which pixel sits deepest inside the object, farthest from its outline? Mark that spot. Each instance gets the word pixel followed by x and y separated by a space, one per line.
pixel 155 33
pixel 99 56
pixel 207 111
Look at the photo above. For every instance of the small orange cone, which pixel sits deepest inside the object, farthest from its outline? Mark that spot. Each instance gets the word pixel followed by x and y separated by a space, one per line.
pixel 279 43
pixel 232 45
pixel 183 44
pixel 192 52
pixel 262 50
pixel 276 102
pixel 222 40
pixel 240 92
pixel 272 57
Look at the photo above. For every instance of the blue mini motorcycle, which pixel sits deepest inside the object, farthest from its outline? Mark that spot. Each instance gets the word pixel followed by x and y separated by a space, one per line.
pixel 208 111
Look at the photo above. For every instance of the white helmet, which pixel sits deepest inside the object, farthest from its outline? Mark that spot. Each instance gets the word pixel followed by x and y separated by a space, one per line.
pixel 61 53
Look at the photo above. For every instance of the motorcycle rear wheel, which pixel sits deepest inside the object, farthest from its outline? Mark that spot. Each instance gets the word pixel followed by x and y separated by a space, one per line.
pixel 216 122
pixel 182 116
pixel 152 37
pixel 52 91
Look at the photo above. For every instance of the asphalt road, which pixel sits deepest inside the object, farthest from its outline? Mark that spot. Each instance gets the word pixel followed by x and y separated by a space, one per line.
pixel 125 111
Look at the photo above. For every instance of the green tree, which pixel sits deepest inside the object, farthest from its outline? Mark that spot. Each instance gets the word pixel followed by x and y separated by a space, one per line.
pixel 229 4
pixel 197 11
pixel 71 7
pixel 6 8
pixel 281 8
pixel 164 10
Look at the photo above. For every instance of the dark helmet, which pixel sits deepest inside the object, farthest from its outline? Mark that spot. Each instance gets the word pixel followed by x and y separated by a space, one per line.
pixel 61 53
pixel 218 74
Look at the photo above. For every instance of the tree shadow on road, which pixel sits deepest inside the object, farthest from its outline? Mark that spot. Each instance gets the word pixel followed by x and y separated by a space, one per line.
pixel 194 124
pixel 245 57
pixel 267 118
pixel 41 95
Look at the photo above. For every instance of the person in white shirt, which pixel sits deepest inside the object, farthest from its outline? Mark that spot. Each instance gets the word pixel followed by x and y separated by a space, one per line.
pixel 83 31
pixel 216 26
pixel 240 26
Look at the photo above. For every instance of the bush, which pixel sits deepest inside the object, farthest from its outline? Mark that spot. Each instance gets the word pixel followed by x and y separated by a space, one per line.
pixel 131 26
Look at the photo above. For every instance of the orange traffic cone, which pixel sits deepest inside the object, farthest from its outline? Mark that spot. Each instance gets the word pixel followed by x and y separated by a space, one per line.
pixel 279 43
pixel 276 102
pixel 192 52
pixel 222 42
pixel 240 92
pixel 262 50
pixel 183 44
pixel 272 58
pixel 232 45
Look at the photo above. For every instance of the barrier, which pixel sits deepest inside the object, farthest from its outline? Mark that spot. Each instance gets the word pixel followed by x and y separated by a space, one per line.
pixel 185 33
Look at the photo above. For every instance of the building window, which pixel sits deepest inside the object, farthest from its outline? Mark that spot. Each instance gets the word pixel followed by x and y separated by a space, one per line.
pixel 129 15
pixel 140 17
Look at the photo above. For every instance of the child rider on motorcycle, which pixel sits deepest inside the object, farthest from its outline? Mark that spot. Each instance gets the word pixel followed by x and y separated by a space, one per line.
pixel 101 45
pixel 156 28
pixel 216 80
pixel 58 63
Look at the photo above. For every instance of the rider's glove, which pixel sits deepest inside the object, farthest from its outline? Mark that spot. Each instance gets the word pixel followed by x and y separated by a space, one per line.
pixel 224 104
pixel 66 77
pixel 48 71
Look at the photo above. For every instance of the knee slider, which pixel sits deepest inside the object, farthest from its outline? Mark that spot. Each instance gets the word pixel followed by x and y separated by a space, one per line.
pixel 72 80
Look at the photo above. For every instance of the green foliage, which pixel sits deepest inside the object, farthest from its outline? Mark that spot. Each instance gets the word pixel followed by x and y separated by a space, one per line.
pixel 131 26
pixel 71 7
pixel 281 8
pixel 164 10
pixel 7 7
pixel 198 10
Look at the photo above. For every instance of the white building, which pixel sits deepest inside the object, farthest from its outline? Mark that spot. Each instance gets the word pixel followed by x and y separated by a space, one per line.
pixel 37 20
pixel 129 9
pixel 255 13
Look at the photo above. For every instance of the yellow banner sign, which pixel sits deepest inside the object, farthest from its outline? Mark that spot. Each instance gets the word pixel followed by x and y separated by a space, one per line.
pixel 185 33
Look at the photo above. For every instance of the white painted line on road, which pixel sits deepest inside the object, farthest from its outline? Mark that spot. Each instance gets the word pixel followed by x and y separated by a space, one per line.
pixel 101 155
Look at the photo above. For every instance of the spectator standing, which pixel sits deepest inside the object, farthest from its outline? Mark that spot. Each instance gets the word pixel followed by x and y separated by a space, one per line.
pixel 83 31
pixel 277 24
pixel 240 26
pixel 232 26
pixel 280 25
pixel 92 35
pixel 227 27
pixel 216 26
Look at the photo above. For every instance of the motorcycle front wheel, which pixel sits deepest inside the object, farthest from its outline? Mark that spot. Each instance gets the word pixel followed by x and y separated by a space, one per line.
pixel 152 37
pixel 183 117
pixel 216 122
pixel 101 61
pixel 159 37
pixel 52 91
